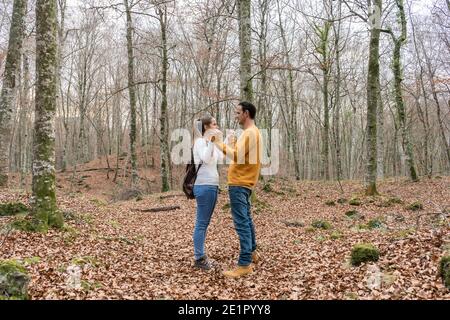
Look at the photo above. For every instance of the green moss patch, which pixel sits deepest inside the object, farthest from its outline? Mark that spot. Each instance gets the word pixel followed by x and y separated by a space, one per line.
pixel 355 202
pixel 86 260
pixel 375 223
pixel 321 224
pixel 364 252
pixel 12 209
pixel 415 206
pixel 267 187
pixel 13 280
pixel 335 235
pixel 352 214
pixel 444 270
pixel 27 224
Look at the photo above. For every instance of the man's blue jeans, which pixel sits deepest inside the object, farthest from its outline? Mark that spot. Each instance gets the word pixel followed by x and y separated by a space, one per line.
pixel 206 198
pixel 243 223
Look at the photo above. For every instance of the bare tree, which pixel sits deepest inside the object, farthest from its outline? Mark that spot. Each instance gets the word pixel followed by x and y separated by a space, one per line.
pixel 245 31
pixel 132 94
pixel 373 77
pixel 10 84
pixel 44 209
pixel 397 69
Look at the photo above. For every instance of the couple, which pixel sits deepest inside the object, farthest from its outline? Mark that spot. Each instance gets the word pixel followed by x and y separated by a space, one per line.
pixel 243 174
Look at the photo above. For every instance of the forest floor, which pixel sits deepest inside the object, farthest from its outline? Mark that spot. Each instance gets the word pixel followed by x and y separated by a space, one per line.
pixel 124 253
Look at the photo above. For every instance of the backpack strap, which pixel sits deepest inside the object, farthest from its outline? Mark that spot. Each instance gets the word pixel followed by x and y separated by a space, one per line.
pixel 193 161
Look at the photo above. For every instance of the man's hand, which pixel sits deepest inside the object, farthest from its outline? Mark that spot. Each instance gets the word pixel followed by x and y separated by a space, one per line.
pixel 231 138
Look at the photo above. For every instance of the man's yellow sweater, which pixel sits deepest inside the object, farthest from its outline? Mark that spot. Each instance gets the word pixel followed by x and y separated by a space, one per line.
pixel 245 155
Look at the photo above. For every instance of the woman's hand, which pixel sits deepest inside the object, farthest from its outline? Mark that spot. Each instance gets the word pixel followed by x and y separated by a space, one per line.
pixel 214 135
pixel 208 134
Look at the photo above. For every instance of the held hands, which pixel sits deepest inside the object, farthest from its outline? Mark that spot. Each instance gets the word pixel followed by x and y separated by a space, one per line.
pixel 214 135
pixel 231 137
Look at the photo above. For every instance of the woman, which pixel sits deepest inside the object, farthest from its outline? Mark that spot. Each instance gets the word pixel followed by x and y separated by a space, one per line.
pixel 206 186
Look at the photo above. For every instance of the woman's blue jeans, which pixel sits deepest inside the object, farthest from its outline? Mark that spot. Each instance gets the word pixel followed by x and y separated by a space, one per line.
pixel 206 198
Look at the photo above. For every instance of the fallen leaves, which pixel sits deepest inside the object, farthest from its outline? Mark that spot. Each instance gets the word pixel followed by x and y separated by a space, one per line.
pixel 143 255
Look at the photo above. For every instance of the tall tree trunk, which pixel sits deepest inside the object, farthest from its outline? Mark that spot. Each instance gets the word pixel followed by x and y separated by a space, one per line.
pixel 291 123
pixel 337 86
pixel 380 135
pixel 441 125
pixel 263 103
pixel 431 74
pixel 44 209
pixel 401 112
pixel 132 94
pixel 423 114
pixel 323 50
pixel 61 27
pixel 372 104
pixel 23 119
pixel 426 125
pixel 325 168
pixel 245 46
pixel 10 84
pixel 82 147
pixel 163 120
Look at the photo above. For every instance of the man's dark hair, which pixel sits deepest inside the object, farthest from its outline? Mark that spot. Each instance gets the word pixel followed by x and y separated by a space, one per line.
pixel 247 106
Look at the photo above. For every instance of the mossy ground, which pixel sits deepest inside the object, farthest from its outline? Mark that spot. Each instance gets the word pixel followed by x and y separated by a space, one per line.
pixel 364 252
pixel 415 206
pixel 355 202
pixel 14 280
pixel 321 224
pixel 13 208
pixel 444 270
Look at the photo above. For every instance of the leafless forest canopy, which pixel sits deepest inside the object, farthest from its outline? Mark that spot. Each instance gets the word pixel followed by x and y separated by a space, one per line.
pixel 150 67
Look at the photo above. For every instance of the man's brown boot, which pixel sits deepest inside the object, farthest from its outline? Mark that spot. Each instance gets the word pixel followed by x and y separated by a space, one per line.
pixel 238 272
pixel 256 256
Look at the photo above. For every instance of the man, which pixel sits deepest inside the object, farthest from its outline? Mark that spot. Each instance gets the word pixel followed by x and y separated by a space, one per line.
pixel 243 174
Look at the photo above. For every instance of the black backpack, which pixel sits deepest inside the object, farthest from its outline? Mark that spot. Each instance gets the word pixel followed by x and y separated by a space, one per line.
pixel 189 177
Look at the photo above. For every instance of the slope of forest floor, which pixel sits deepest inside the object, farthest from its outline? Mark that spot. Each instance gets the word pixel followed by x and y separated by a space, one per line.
pixel 125 253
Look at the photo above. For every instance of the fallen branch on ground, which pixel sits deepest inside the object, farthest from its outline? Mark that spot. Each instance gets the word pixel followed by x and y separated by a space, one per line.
pixel 91 169
pixel 169 208
pixel 171 195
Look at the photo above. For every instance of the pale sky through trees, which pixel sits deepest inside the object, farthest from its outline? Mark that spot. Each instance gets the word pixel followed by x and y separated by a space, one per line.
pixel 203 73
